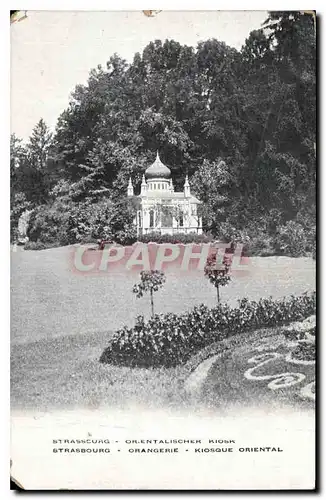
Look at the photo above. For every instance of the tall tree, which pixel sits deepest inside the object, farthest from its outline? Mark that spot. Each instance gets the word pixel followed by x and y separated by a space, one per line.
pixel 33 170
pixel 17 156
pixel 18 200
pixel 39 145
pixel 214 184
pixel 255 108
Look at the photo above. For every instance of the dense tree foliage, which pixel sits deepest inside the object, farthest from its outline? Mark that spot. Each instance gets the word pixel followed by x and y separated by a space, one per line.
pixel 242 124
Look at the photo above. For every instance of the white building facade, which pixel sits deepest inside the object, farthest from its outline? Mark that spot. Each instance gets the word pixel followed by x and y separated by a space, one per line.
pixel 162 209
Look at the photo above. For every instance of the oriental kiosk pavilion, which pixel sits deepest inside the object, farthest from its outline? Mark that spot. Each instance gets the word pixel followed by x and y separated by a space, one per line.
pixel 162 209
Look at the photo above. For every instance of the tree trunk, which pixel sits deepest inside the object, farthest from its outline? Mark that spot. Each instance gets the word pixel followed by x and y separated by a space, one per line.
pixel 218 294
pixel 152 304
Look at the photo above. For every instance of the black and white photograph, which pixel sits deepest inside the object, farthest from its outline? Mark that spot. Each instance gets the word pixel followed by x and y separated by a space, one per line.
pixel 163 250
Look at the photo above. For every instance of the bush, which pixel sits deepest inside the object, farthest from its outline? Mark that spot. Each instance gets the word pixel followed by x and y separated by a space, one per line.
pixel 156 237
pixel 268 235
pixel 292 240
pixel 260 245
pixel 255 239
pixel 305 351
pixel 64 222
pixel 52 224
pixel 35 245
pixel 170 339
pixel 300 330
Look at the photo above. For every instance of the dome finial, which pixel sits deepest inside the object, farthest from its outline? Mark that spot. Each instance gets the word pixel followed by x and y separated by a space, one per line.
pixel 157 169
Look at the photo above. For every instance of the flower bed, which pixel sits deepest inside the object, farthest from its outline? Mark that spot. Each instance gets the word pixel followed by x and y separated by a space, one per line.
pixel 304 330
pixel 305 351
pixel 171 339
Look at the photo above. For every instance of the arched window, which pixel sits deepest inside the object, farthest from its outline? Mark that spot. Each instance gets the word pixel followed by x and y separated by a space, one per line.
pixel 167 219
pixel 151 218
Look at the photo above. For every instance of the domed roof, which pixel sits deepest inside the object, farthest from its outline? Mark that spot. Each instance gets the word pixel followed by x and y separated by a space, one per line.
pixel 157 170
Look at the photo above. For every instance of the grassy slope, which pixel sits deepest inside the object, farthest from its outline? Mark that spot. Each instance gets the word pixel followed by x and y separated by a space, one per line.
pixel 65 372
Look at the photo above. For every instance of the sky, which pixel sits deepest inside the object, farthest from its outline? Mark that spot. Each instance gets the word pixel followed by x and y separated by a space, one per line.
pixel 53 51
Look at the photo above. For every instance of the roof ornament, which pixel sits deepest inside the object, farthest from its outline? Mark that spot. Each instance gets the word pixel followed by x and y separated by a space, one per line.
pixel 186 188
pixel 130 189
pixel 158 170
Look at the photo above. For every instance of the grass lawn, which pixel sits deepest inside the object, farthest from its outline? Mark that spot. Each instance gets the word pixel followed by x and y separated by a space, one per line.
pixel 49 300
pixel 60 324
pixel 65 373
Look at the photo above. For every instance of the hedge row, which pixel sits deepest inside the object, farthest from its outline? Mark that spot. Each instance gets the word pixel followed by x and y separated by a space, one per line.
pixel 176 238
pixel 170 339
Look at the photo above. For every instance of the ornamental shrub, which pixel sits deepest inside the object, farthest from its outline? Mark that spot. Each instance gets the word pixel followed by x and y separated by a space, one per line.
pixel 150 281
pixel 218 275
pixel 171 339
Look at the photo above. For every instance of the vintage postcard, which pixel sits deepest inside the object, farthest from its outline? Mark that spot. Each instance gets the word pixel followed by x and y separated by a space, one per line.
pixel 163 250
